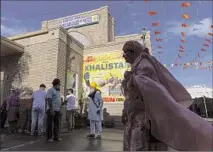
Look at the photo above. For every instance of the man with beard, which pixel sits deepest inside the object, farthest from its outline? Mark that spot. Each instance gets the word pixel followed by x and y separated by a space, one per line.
pixel 53 111
pixel 95 112
pixel 156 107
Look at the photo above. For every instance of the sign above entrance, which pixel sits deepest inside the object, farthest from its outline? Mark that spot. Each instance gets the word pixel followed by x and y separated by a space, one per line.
pixel 77 21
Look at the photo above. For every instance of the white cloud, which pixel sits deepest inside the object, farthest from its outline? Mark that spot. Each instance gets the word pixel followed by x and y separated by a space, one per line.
pixel 11 26
pixel 2 19
pixel 200 28
pixel 134 14
pixel 9 31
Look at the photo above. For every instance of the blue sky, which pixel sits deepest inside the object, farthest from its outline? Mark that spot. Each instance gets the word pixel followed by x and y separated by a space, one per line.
pixel 130 16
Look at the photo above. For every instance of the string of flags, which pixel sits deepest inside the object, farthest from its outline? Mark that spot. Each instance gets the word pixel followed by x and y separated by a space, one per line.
pixel 182 52
pixel 208 65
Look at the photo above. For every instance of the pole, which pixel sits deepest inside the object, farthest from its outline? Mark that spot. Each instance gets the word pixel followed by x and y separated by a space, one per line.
pixel 144 36
pixel 204 100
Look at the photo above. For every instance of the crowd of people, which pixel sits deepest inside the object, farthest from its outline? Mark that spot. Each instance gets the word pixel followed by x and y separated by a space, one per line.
pixel 49 103
pixel 42 103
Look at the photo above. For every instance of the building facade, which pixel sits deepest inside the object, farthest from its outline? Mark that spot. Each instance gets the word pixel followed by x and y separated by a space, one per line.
pixel 63 48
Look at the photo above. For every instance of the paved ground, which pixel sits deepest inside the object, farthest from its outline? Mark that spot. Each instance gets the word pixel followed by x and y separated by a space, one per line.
pixel 112 140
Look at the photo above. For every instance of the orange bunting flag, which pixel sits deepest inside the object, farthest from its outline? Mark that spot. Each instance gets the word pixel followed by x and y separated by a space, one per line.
pixel 211 34
pixel 183 34
pixel 159 40
pixel 181 47
pixel 184 25
pixel 181 50
pixel 159 47
pixel 183 41
pixel 203 50
pixel 186 4
pixel 206 45
pixel 155 24
pixel 208 40
pixel 146 1
pixel 185 16
pixel 151 13
pixel 156 32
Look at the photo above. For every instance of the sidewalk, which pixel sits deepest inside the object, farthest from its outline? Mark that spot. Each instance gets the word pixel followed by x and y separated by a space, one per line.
pixel 11 140
pixel 25 142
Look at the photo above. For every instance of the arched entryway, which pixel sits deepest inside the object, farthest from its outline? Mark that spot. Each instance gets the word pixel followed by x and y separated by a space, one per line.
pixel 81 38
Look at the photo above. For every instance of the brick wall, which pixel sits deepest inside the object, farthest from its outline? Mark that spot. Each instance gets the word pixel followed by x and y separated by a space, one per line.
pixel 40 56
pixel 111 28
pixel 69 47
pixel 61 66
pixel 96 33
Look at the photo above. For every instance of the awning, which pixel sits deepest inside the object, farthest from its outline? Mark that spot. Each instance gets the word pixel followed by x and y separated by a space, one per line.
pixel 9 47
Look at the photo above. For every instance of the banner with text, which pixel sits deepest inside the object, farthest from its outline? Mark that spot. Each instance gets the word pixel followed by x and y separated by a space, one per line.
pixel 107 71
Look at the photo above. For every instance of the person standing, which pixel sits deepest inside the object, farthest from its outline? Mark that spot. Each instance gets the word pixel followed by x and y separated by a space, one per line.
pixel 70 112
pixel 53 111
pixel 38 109
pixel 28 118
pixel 156 106
pixel 95 112
pixel 13 110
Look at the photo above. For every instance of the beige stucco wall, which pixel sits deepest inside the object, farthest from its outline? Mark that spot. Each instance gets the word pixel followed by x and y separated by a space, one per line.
pixel 123 39
pixel 96 33
pixel 117 45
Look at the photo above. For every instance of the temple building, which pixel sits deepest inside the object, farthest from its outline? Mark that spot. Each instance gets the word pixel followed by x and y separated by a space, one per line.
pixel 75 49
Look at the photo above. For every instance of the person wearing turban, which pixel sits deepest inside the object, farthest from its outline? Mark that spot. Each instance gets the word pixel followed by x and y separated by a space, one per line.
pixel 95 110
pixel 156 107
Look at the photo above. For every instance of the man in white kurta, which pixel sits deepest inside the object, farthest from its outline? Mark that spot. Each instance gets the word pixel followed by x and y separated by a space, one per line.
pixel 95 111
